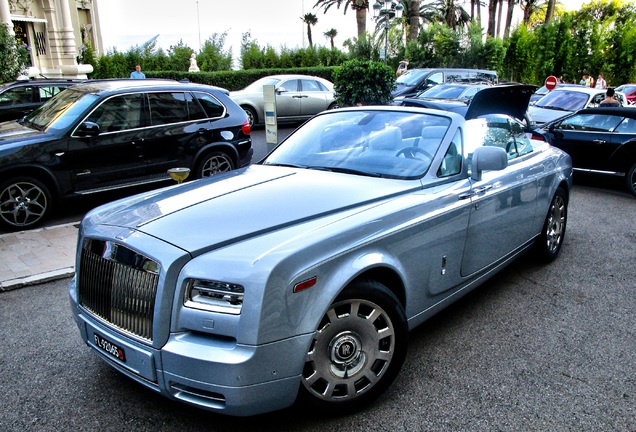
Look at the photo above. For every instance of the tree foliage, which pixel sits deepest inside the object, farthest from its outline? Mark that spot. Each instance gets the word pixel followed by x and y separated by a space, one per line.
pixel 12 57
pixel 359 82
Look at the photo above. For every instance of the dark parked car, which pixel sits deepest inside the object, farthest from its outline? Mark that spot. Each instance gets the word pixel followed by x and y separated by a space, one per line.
pixel 509 99
pixel 113 134
pixel 542 91
pixel 599 140
pixel 414 81
pixel 19 98
pixel 301 275
pixel 568 99
pixel 449 93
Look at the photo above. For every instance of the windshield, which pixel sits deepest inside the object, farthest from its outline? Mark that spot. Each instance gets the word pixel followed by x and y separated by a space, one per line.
pixel 411 77
pixel 61 111
pixel 257 86
pixel 626 88
pixel 564 100
pixel 374 143
pixel 445 91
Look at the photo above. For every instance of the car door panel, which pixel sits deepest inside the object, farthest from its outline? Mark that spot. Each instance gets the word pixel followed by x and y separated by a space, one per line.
pixel 288 102
pixel 314 98
pixel 116 153
pixel 503 203
pixel 171 130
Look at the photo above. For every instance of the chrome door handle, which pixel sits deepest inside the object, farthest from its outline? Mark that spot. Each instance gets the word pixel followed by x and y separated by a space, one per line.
pixel 482 189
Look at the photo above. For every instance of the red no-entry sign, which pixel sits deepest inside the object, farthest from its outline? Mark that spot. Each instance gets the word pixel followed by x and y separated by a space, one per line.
pixel 550 82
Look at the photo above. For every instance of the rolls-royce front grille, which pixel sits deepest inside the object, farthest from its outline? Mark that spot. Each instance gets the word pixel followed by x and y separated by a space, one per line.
pixel 118 286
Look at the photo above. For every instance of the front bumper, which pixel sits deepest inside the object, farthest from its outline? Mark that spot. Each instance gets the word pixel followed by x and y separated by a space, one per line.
pixel 208 372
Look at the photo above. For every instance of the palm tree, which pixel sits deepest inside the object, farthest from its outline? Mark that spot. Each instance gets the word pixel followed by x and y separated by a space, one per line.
pixel 414 19
pixel 331 34
pixel 492 12
pixel 529 7
pixel 309 19
pixel 449 12
pixel 360 6
pixel 549 13
pixel 475 10
pixel 511 7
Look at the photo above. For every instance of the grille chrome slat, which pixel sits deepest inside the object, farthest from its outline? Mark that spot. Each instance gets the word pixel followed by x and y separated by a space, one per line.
pixel 118 286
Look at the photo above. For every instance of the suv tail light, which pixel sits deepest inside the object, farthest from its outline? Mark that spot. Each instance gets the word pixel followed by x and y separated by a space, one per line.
pixel 246 127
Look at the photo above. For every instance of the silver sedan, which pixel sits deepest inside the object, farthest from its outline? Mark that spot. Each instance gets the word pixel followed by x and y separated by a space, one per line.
pixel 298 97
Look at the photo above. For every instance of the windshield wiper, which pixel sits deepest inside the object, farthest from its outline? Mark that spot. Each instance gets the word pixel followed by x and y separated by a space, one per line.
pixel 345 171
pixel 288 165
pixel 552 107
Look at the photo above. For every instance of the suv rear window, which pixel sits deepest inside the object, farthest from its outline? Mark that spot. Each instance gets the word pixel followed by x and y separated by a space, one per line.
pixel 173 108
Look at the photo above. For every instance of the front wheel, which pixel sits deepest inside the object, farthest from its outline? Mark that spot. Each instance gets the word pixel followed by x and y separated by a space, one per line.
pixel 631 180
pixel 24 203
pixel 550 240
pixel 214 163
pixel 357 350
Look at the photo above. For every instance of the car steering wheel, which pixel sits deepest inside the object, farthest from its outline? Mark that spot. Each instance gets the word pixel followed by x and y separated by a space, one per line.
pixel 413 152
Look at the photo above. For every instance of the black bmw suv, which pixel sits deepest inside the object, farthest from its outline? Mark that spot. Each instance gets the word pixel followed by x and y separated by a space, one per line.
pixel 110 134
pixel 19 98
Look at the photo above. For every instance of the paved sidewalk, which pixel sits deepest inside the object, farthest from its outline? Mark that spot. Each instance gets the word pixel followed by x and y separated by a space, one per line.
pixel 36 256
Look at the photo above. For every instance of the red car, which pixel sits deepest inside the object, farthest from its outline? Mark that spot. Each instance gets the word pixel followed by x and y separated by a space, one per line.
pixel 630 92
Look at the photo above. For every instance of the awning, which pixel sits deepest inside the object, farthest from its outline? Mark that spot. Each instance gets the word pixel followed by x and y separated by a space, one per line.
pixel 27 19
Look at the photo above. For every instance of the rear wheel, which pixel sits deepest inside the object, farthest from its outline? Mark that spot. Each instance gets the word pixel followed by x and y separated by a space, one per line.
pixel 550 240
pixel 214 163
pixel 251 115
pixel 631 180
pixel 24 203
pixel 358 348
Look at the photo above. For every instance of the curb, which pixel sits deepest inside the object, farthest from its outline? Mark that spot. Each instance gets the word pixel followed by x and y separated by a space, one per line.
pixel 36 279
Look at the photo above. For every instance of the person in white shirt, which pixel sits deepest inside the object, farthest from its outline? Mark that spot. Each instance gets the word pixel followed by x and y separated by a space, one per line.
pixel 600 82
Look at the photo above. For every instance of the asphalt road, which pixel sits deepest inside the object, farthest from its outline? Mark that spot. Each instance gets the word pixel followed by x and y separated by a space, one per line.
pixel 537 348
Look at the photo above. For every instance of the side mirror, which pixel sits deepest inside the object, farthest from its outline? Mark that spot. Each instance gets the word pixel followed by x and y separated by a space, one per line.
pixel 280 90
pixel 88 129
pixel 487 159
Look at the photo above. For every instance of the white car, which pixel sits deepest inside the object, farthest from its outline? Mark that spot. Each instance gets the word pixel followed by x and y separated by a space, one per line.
pixel 298 97
pixel 566 100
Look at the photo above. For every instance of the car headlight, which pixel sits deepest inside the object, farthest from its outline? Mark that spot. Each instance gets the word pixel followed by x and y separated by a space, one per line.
pixel 214 296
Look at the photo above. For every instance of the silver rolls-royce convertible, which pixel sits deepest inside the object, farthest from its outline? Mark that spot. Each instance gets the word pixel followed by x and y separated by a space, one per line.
pixel 299 277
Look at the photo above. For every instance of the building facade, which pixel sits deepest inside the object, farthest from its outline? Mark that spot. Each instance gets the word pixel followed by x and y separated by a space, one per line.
pixel 56 34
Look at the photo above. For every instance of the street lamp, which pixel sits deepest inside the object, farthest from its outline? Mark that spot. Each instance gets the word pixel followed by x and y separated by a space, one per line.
pixel 389 9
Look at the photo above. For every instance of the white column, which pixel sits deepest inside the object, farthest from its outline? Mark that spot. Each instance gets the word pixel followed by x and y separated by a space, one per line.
pixel 67 35
pixel 5 16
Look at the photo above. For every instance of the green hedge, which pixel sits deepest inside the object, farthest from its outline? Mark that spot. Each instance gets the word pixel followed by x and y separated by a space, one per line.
pixel 239 79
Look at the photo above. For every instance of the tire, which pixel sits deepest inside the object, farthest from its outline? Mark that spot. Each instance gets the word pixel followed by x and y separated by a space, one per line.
pixel 214 163
pixel 334 105
pixel 251 115
pixel 631 179
pixel 549 242
pixel 24 203
pixel 357 351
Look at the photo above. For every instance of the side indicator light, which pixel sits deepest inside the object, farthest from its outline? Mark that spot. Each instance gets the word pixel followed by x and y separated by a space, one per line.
pixel 301 286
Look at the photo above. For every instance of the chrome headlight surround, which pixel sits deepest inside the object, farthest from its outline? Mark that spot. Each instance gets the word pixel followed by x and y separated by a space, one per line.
pixel 214 296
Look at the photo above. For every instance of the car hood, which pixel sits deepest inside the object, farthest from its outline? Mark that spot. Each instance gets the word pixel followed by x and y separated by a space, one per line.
pixel 503 99
pixel 12 130
pixel 402 89
pixel 544 115
pixel 210 213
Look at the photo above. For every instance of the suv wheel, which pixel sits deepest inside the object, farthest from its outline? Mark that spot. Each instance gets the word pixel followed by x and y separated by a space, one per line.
pixel 24 203
pixel 214 163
